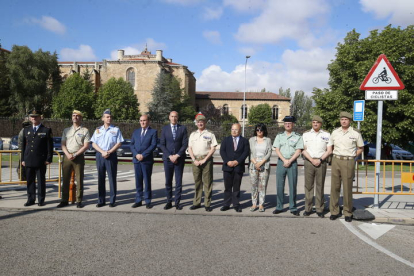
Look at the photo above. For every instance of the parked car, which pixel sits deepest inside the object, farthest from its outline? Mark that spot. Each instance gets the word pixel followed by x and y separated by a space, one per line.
pixel 372 151
pixel 57 144
pixel 14 144
pixel 90 150
pixel 157 152
pixel 400 154
pixel 1 144
pixel 124 150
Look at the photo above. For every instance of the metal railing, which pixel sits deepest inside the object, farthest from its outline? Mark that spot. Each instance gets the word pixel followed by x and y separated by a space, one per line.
pixel 396 177
pixel 11 166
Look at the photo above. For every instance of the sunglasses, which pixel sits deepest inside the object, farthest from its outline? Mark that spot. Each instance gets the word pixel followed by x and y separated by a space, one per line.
pixel 259 130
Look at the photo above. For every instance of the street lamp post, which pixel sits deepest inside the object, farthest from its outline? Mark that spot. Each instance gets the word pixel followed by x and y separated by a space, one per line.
pixel 244 96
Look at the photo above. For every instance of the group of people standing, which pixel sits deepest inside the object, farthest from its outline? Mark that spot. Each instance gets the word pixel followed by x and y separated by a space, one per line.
pixel 316 145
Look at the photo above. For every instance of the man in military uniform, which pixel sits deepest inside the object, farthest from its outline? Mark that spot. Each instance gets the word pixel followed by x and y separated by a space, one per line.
pixel 288 146
pixel 37 153
pixel 347 145
pixel 201 147
pixel 75 141
pixel 106 140
pixel 316 151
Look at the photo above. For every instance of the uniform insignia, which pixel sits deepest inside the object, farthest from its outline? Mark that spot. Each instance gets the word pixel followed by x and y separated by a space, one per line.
pixel 97 130
pixel 28 132
pixel 207 137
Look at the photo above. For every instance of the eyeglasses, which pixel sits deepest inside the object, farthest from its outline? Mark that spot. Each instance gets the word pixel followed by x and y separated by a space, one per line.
pixel 259 130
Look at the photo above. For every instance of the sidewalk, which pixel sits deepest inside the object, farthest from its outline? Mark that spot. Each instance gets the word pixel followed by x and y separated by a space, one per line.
pixel 394 209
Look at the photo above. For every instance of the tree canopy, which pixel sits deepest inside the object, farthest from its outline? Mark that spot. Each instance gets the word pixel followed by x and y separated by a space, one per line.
pixel 5 93
pixel 261 113
pixel 301 108
pixel 118 95
pixel 75 93
pixel 354 58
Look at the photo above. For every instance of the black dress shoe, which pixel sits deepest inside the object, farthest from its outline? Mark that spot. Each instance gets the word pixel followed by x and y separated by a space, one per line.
pixel 276 211
pixel 112 205
pixel 79 205
pixel 348 219
pixel 321 215
pixel 148 206
pixel 62 204
pixel 238 209
pixel 41 204
pixel 224 208
pixel 307 214
pixel 333 217
pixel 209 209
pixel 29 203
pixel 194 207
pixel 136 204
pixel 168 206
pixel 100 205
pixel 295 213
pixel 178 207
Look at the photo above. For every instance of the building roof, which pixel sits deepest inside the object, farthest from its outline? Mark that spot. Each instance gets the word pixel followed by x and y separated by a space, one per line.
pixel 79 62
pixel 4 50
pixel 240 96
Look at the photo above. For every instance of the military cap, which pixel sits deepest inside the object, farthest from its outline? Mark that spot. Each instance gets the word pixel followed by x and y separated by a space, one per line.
pixel 290 119
pixel 77 112
pixel 345 114
pixel 200 117
pixel 317 118
pixel 35 113
pixel 107 111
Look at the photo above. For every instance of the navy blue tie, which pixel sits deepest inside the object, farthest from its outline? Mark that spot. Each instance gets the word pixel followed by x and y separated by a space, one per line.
pixel 174 132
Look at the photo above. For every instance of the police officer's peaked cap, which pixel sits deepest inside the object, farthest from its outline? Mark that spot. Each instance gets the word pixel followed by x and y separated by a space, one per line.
pixel 317 118
pixel 345 114
pixel 107 111
pixel 290 119
pixel 34 113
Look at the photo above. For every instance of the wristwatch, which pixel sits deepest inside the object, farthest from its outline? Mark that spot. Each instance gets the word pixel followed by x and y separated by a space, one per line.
pixel 321 159
pixel 74 154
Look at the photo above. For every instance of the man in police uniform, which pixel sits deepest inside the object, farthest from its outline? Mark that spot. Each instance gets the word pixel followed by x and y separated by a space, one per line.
pixel 316 151
pixel 106 140
pixel 37 153
pixel 201 148
pixel 347 145
pixel 75 141
pixel 288 146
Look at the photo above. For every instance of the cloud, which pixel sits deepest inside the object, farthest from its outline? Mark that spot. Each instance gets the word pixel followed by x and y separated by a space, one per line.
pixel 48 23
pixel 401 12
pixel 298 70
pixel 280 20
pixel 137 48
pixel 245 5
pixel 212 14
pixel 212 36
pixel 84 53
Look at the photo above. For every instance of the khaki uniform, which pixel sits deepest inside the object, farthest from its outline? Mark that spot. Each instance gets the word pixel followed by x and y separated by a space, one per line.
pixel 316 144
pixel 201 143
pixel 75 139
pixel 343 167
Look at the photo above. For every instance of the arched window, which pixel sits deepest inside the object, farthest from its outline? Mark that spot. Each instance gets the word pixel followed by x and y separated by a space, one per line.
pixel 275 112
pixel 245 111
pixel 131 76
pixel 225 109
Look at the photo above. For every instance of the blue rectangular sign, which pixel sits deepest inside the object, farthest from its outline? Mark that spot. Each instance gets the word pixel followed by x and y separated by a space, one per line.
pixel 359 108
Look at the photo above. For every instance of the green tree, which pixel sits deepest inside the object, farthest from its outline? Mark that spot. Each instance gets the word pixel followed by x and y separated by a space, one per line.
pixel 118 95
pixel 5 93
pixel 75 93
pixel 34 79
pixel 284 93
pixel 301 108
pixel 354 58
pixel 261 113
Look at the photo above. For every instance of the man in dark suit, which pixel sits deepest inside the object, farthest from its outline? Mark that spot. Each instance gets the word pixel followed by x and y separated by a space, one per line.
pixel 173 143
pixel 143 143
pixel 37 153
pixel 234 151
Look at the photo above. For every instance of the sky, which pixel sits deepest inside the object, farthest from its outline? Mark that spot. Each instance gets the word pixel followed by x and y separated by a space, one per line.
pixel 290 42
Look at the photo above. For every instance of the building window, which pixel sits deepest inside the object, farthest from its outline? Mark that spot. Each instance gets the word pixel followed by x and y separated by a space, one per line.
pixel 226 109
pixel 245 111
pixel 131 76
pixel 197 108
pixel 275 112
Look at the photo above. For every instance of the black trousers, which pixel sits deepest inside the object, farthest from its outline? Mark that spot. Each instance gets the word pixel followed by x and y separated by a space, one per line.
pixel 232 183
pixel 31 174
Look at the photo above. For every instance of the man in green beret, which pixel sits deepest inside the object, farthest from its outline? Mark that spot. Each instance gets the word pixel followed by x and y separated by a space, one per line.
pixel 348 144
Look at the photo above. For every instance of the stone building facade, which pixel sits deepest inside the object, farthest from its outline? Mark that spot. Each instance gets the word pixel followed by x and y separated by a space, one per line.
pixel 232 102
pixel 140 70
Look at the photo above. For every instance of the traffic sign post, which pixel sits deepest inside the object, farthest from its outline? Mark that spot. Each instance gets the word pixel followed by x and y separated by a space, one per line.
pixel 381 84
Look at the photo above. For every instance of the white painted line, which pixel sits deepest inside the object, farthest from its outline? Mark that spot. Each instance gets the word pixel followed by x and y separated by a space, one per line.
pixel 375 230
pixel 374 244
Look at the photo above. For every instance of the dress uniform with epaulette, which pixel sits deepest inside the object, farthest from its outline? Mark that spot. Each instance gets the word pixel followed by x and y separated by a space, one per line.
pixel 287 144
pixel 37 150
pixel 106 139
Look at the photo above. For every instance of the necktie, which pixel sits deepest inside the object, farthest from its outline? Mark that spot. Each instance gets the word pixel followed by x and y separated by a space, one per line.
pixel 174 132
pixel 143 133
pixel 234 143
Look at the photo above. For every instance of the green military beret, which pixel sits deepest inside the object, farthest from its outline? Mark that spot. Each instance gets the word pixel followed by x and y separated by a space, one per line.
pixel 345 114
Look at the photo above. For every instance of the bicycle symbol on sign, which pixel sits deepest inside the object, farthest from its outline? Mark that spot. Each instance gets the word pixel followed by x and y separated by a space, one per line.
pixel 383 77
